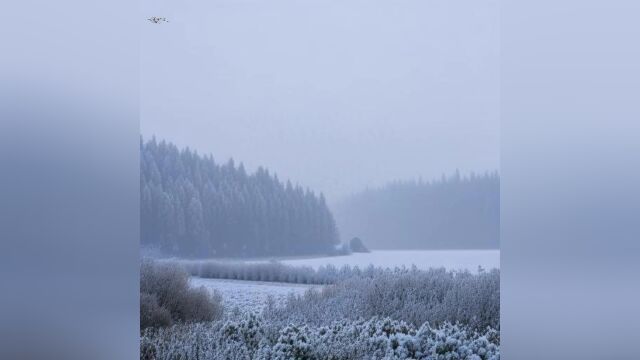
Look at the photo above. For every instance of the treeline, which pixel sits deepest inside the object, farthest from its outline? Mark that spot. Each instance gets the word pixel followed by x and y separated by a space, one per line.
pixel 455 212
pixel 267 271
pixel 194 207
pixel 274 271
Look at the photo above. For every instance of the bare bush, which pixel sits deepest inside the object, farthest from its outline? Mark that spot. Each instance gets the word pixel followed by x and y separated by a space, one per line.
pixel 166 297
pixel 152 314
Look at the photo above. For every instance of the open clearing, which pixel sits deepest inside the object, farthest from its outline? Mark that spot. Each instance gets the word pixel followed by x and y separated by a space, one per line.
pixel 251 295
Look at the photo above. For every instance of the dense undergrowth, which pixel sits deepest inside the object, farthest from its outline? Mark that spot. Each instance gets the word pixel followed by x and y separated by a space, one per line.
pixel 377 338
pixel 361 314
pixel 414 296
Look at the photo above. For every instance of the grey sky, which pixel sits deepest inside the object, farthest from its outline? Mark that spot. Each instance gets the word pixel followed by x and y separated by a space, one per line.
pixel 337 95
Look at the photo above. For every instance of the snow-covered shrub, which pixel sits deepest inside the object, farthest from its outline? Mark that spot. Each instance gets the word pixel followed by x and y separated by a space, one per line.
pixel 293 343
pixel 152 314
pixel 415 296
pixel 376 338
pixel 276 272
pixel 269 271
pixel 452 342
pixel 166 297
pixel 323 275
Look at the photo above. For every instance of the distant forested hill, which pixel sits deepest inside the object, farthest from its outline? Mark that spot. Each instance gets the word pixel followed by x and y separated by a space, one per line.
pixel 192 206
pixel 451 213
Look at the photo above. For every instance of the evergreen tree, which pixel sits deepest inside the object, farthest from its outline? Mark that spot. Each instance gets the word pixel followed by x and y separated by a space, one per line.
pixel 192 206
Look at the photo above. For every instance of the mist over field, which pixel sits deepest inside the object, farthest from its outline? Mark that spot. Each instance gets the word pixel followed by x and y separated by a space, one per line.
pixel 334 95
pixel 454 212
pixel 320 180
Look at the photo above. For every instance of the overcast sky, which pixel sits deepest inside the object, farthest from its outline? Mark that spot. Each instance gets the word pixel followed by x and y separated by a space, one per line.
pixel 338 95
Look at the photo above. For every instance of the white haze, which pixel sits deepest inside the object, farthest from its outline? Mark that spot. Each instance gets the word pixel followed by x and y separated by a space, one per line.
pixel 335 95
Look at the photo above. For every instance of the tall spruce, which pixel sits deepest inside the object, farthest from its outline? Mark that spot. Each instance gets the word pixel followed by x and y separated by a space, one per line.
pixel 192 206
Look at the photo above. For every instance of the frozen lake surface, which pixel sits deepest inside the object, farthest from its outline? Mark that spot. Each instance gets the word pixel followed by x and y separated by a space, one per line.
pixel 251 295
pixel 423 259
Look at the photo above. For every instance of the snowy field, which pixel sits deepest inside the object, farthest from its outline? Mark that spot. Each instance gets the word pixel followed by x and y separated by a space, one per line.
pixel 250 295
pixel 423 259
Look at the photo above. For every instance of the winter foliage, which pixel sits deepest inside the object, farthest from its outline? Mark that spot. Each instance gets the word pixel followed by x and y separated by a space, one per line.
pixel 250 296
pixel 191 206
pixel 251 337
pixel 456 212
pixel 167 298
pixel 411 295
pixel 276 271
pixel 362 314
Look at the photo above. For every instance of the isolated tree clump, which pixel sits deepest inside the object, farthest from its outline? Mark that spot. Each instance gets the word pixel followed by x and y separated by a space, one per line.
pixel 356 245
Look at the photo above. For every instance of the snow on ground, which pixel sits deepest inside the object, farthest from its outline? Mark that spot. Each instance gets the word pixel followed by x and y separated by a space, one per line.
pixel 423 259
pixel 250 295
